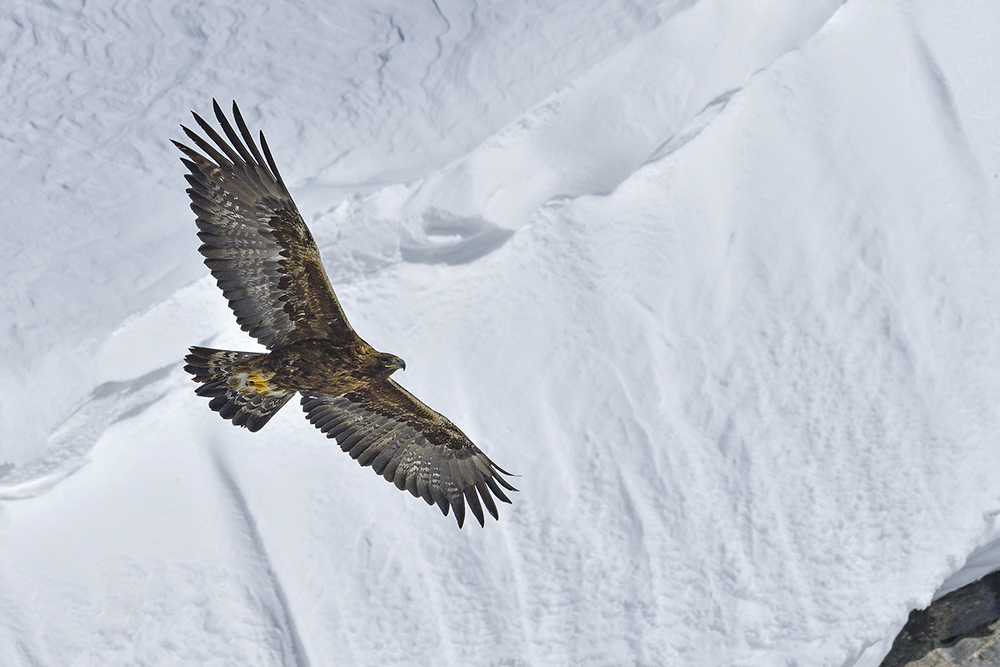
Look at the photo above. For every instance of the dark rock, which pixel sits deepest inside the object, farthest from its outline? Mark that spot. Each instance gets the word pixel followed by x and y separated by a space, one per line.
pixel 959 629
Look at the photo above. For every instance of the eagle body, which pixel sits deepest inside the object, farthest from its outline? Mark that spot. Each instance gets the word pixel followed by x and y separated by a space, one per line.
pixel 325 366
pixel 267 265
pixel 322 366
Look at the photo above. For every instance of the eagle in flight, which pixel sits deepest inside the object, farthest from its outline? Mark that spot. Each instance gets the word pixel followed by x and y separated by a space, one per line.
pixel 263 257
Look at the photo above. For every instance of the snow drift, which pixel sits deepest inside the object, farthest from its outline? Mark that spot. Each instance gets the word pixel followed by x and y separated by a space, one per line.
pixel 717 279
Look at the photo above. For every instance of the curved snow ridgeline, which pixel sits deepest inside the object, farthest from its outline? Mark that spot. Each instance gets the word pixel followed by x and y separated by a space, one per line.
pixel 718 279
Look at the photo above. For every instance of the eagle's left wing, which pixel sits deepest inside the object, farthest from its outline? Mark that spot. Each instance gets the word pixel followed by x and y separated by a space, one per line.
pixel 416 448
pixel 255 241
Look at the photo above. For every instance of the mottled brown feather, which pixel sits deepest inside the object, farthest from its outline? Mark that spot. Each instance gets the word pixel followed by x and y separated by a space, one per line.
pixel 213 369
pixel 255 242
pixel 416 448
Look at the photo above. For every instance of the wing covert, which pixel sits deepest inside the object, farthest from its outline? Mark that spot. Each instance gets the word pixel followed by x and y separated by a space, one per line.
pixel 412 446
pixel 254 240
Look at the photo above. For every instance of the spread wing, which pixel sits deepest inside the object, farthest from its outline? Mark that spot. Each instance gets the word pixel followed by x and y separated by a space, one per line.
pixel 254 240
pixel 409 444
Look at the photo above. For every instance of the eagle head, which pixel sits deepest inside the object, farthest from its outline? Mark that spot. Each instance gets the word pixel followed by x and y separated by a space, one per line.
pixel 387 364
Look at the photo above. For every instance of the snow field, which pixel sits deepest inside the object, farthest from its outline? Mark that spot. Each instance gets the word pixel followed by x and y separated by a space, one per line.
pixel 737 342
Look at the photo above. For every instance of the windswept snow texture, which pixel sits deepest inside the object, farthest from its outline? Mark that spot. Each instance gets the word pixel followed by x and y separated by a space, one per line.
pixel 720 279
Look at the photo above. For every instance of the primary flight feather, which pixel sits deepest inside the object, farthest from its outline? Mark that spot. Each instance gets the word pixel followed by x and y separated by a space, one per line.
pixel 264 259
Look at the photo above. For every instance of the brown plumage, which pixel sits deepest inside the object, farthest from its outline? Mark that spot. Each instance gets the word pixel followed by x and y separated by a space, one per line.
pixel 265 261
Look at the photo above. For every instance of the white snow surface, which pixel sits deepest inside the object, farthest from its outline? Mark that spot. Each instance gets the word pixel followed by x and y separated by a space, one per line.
pixel 719 279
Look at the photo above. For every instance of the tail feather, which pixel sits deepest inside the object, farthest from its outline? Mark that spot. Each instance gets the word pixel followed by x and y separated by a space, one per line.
pixel 244 397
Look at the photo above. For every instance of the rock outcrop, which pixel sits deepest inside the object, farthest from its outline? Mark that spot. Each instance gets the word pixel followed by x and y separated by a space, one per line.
pixel 960 629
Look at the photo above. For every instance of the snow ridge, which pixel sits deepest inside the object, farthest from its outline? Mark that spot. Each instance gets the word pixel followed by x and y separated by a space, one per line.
pixel 273 601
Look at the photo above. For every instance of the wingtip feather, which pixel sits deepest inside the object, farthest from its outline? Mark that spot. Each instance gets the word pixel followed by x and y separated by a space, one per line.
pixel 473 499
pixel 458 504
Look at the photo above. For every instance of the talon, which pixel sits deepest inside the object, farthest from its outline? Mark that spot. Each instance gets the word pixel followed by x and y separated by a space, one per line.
pixel 254 382
pixel 258 383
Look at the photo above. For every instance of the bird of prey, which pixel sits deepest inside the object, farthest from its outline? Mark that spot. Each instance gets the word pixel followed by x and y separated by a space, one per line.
pixel 263 257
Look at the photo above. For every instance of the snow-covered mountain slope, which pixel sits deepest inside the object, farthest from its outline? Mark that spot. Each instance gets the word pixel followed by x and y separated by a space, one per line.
pixel 718 279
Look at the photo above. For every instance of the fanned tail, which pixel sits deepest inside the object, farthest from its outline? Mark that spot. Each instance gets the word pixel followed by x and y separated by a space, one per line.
pixel 243 396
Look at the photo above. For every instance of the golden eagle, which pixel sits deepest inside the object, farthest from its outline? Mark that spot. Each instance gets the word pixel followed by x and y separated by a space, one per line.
pixel 264 259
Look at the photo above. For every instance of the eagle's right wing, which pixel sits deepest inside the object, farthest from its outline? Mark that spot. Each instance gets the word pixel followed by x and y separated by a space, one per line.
pixel 412 446
pixel 255 242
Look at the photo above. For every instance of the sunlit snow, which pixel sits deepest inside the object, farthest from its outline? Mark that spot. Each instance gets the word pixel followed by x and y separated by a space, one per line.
pixel 718 279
